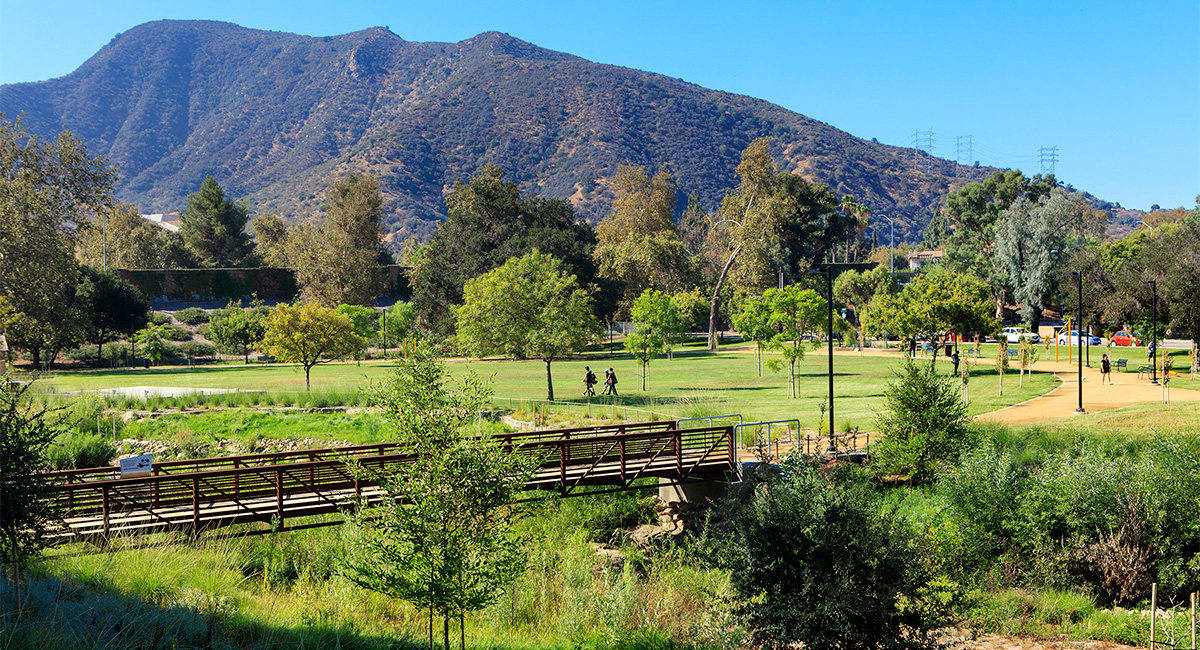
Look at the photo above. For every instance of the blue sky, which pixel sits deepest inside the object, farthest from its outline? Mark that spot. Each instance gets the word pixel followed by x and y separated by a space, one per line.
pixel 1115 86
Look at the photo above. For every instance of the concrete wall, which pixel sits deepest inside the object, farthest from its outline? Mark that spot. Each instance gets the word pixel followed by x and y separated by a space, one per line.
pixel 237 284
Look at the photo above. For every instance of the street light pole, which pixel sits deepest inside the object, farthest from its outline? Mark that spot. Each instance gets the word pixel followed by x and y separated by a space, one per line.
pixel 1148 226
pixel 1079 336
pixel 1153 330
pixel 891 244
pixel 832 450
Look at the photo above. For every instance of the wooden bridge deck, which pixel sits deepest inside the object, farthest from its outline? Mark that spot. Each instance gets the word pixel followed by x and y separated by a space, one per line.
pixel 203 494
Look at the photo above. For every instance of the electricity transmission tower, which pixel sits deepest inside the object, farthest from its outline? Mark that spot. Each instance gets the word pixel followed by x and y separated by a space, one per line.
pixel 1048 156
pixel 923 141
pixel 964 146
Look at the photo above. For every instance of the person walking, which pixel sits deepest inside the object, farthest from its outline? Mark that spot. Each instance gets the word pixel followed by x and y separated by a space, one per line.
pixel 1105 370
pixel 589 381
pixel 954 358
pixel 610 383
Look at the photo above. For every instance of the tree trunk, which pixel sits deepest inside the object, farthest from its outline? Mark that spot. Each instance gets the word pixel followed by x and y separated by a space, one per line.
pixel 307 387
pixel 446 632
pixel 716 300
pixel 549 383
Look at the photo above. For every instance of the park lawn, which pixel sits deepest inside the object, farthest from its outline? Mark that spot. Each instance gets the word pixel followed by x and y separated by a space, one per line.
pixel 694 383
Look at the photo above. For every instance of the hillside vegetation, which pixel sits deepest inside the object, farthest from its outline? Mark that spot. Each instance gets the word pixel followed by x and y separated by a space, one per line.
pixel 274 117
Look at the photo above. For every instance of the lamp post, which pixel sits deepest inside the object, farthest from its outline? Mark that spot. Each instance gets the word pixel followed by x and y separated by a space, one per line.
pixel 1148 226
pixel 1153 329
pixel 1079 336
pixel 891 244
pixel 832 450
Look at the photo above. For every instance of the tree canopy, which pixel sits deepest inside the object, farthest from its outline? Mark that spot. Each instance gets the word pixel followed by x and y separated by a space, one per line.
pixel 529 308
pixel 308 333
pixel 214 228
pixel 337 258
pixel 932 307
pixel 637 244
pixel 490 223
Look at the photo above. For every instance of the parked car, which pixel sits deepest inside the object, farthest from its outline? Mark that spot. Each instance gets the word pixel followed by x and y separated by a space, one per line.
pixel 1125 338
pixel 1015 334
pixel 1072 338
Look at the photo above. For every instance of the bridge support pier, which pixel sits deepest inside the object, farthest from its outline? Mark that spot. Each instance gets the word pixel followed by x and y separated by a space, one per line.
pixel 698 492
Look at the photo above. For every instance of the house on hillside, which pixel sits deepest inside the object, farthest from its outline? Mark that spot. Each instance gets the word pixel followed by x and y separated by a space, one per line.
pixel 917 259
pixel 165 221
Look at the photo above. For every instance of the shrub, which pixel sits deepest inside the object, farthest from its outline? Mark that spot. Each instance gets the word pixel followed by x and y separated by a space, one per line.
pixel 923 423
pixel 159 318
pixel 192 316
pixel 818 562
pixel 173 333
pixel 87 352
pixel 75 450
pixel 194 349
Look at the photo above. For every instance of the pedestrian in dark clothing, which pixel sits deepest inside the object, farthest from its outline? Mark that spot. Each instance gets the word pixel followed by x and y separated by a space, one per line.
pixel 610 382
pixel 954 358
pixel 589 381
pixel 1105 370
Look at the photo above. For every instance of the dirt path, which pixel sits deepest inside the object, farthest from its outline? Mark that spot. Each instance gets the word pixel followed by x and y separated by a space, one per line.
pixel 1126 389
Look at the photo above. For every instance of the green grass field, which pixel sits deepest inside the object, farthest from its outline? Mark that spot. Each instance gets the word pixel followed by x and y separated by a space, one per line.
pixel 694 383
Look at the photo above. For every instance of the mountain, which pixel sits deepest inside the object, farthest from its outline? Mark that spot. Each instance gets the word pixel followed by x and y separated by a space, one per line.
pixel 274 117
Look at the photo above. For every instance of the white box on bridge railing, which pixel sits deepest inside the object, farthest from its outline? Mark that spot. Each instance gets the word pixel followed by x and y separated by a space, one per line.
pixel 136 466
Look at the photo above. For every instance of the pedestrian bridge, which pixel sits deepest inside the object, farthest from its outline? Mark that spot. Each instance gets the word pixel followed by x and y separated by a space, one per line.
pixel 278 488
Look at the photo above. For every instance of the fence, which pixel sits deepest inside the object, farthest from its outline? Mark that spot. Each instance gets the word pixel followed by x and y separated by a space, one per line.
pixel 1193 598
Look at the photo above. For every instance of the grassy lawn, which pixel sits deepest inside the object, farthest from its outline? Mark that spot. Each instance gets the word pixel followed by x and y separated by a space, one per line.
pixel 693 383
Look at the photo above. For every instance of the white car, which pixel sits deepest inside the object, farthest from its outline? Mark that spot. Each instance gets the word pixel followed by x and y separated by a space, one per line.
pixel 1072 338
pixel 1014 335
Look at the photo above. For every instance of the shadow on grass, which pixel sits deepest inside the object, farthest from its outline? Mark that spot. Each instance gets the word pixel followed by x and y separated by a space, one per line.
pixel 75 613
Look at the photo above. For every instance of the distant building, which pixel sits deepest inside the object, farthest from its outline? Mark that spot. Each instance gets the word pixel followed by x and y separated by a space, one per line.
pixel 917 259
pixel 164 221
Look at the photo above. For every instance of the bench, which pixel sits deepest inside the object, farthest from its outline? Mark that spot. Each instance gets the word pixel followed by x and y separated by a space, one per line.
pixel 1121 364
pixel 1143 370
pixel 1012 354
pixel 974 352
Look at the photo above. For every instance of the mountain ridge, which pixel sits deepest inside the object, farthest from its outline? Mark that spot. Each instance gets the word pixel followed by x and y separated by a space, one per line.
pixel 275 117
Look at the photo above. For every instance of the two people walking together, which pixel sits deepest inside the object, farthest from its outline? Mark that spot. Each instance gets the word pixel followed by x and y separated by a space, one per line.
pixel 589 382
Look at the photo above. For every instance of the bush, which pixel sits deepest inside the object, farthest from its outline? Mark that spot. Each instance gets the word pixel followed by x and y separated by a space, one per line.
pixel 194 349
pixel 923 424
pixel 192 316
pixel 75 450
pixel 204 329
pixel 173 333
pixel 159 318
pixel 86 352
pixel 818 562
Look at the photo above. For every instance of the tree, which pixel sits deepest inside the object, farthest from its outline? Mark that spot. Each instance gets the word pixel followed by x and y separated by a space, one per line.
pixel 795 311
pixel 397 324
pixel 753 322
pixel 151 340
pixel 119 238
pixel 658 327
pixel 214 228
pixel 637 244
pixel 442 537
pixel 1001 361
pixel 816 561
pixel 932 307
pixel 48 190
pixel 529 308
pixel 1026 233
pixel 337 258
pixel 488 224
pixel 112 306
pixel 237 330
pixel 772 220
pixel 308 333
pixel 923 424
pixel 270 240
pixel 26 433
pixel 972 211
pixel 361 317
